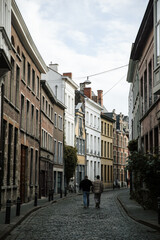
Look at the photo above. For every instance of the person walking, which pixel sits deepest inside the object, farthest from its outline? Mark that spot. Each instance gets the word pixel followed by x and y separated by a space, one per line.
pixel 97 190
pixel 85 185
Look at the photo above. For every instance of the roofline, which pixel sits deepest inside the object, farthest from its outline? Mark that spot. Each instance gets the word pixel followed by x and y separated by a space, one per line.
pixel 70 81
pixel 143 32
pixel 93 102
pixel 50 94
pixel 25 36
pixel 107 118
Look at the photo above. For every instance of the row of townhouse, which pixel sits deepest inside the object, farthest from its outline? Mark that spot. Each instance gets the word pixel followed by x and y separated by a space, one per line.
pixel 144 76
pixel 40 111
pixel 31 129
pixel 101 136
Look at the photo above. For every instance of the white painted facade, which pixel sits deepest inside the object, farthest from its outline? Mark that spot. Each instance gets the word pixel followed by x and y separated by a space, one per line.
pixel 130 109
pixel 5 27
pixel 64 89
pixel 93 138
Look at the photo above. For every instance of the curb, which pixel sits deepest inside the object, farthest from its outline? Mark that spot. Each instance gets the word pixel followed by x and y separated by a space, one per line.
pixel 138 220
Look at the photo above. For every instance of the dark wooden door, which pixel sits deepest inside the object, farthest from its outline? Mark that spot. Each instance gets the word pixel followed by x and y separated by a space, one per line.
pixel 23 171
pixel 42 179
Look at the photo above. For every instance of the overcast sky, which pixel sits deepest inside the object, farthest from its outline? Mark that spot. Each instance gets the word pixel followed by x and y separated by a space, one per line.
pixel 86 37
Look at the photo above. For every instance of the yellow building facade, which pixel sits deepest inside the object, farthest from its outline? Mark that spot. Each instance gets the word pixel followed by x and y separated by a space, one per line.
pixel 107 151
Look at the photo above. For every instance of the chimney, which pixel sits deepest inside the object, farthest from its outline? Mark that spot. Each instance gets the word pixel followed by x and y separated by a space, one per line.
pixel 54 66
pixel 100 97
pixel 88 92
pixel 68 75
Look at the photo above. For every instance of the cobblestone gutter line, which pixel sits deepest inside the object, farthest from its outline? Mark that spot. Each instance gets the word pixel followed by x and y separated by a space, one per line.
pixel 138 220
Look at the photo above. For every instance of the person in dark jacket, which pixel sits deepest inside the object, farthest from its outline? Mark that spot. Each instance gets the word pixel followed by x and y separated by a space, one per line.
pixel 85 185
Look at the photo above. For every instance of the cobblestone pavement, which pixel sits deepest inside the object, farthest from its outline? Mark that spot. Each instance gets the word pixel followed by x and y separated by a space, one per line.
pixel 68 220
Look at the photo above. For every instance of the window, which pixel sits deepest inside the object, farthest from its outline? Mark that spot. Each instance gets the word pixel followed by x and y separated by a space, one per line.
pixel 50 143
pixel 157 31
pixel 102 127
pixel 91 144
pixel 87 119
pixel 46 107
pixel 17 86
pixel 111 150
pixel 55 119
pixel 37 86
pixel 37 123
pixel 32 120
pixel 60 122
pixel 15 155
pixel 43 102
pixel 22 111
pixel 49 110
pixel 56 89
pixel 145 90
pixel 142 94
pixel 69 106
pixel 72 111
pixel 150 82
pixel 28 74
pixel 80 127
pixel 23 67
pixel 95 121
pixel 102 148
pixel 55 151
pixel 108 149
pixel 95 146
pixel 105 130
pixel 111 131
pixel 33 80
pixel 52 113
pixel 91 119
pixel 12 80
pixel 105 149
pixel 12 41
pixel 31 168
pixel 60 153
pixel 18 50
pixel 10 134
pixel 27 116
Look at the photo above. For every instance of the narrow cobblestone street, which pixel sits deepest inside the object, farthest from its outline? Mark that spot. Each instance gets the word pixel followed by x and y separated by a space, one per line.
pixel 67 219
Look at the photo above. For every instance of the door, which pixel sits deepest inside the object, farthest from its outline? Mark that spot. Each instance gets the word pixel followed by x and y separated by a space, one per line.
pixel 23 180
pixel 42 179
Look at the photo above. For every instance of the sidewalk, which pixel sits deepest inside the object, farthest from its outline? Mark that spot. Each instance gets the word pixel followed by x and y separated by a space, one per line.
pixel 136 211
pixel 26 209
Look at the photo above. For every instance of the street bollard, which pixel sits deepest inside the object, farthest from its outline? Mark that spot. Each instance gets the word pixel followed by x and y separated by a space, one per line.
pixel 18 206
pixel 8 212
pixel 158 199
pixel 35 199
pixel 60 193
